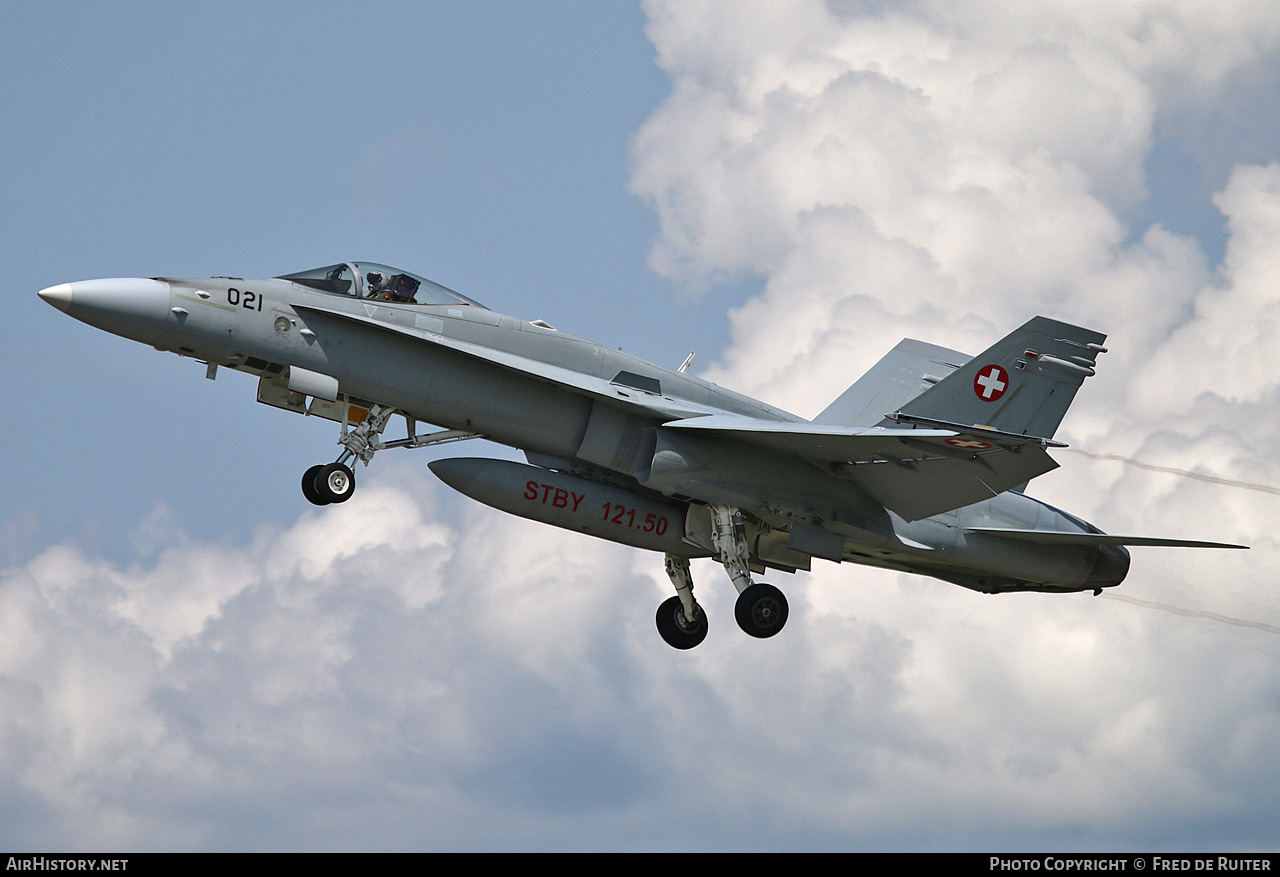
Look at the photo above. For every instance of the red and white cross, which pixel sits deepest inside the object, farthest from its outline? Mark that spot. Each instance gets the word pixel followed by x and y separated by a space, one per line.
pixel 990 382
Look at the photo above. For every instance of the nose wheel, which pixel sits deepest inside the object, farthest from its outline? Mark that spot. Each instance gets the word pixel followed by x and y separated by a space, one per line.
pixel 322 485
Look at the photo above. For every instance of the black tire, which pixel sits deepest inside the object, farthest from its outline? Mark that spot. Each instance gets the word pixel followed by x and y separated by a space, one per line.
pixel 309 486
pixel 675 630
pixel 335 483
pixel 761 610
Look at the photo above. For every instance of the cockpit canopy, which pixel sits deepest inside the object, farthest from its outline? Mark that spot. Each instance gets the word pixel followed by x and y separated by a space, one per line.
pixel 380 282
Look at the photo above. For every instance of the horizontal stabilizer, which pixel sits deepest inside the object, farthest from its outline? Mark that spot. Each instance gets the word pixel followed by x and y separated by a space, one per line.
pixel 1055 537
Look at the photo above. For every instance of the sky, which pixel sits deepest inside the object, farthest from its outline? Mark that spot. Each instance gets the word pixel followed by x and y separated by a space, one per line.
pixel 193 658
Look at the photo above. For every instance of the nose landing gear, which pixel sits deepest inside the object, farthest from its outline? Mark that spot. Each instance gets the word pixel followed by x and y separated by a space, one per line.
pixel 336 482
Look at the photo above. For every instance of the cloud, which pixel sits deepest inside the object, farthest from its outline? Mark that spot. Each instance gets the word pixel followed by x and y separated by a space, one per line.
pixel 366 653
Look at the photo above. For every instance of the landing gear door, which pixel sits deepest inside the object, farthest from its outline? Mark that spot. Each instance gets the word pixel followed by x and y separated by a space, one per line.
pixel 274 390
pixel 346 409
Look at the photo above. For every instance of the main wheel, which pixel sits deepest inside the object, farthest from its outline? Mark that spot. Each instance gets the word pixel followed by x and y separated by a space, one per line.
pixel 761 610
pixel 335 483
pixel 309 486
pixel 676 630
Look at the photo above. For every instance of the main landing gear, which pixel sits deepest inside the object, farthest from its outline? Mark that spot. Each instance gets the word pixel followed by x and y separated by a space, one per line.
pixel 761 610
pixel 336 482
pixel 681 622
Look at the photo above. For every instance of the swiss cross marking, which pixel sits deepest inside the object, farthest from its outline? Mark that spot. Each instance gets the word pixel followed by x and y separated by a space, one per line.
pixel 990 382
pixel 968 443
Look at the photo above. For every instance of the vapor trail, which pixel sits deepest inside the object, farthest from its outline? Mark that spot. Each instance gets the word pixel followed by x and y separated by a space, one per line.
pixel 1247 485
pixel 1195 613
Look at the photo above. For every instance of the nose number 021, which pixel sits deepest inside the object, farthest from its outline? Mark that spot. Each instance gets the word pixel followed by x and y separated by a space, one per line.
pixel 250 301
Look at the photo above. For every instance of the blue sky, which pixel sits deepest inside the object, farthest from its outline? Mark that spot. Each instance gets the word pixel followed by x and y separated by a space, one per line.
pixel 193 658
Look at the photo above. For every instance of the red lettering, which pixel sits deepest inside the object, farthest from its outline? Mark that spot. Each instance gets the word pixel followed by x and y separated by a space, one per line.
pixel 561 500
pixel 531 490
pixel 546 491
pixel 577 498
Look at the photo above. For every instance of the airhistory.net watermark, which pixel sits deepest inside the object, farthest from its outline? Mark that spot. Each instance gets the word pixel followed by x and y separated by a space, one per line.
pixel 52 863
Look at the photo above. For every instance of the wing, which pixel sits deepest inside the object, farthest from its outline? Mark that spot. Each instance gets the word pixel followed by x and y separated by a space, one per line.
pixel 1055 537
pixel 627 397
pixel 913 472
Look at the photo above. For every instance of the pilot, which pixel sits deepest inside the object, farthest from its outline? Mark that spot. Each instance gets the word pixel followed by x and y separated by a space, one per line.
pixel 396 288
pixel 379 286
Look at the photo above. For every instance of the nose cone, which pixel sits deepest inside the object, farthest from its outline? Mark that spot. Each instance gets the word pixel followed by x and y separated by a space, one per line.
pixel 59 296
pixel 134 307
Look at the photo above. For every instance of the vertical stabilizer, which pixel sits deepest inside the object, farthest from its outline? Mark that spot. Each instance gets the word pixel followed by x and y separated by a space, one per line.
pixel 1022 384
pixel 911 368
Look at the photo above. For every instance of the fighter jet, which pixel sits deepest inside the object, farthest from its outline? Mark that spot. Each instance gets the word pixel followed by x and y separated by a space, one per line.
pixel 920 466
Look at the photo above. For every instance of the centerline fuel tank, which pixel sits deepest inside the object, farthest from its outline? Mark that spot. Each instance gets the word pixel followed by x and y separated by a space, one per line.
pixel 567 501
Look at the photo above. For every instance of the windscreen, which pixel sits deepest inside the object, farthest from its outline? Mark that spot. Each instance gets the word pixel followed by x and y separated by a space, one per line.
pixel 372 280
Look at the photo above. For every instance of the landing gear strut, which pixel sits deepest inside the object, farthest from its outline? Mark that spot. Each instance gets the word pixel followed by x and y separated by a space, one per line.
pixel 761 610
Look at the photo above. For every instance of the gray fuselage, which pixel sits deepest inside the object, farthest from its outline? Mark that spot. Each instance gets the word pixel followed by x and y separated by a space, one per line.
pixel 597 411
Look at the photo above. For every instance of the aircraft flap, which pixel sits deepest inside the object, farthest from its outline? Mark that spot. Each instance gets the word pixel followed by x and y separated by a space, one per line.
pixel 813 441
